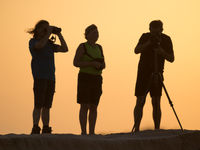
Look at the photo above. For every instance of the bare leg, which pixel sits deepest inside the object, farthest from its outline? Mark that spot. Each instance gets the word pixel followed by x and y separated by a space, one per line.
pixel 92 118
pixel 156 111
pixel 45 116
pixel 36 115
pixel 138 111
pixel 83 118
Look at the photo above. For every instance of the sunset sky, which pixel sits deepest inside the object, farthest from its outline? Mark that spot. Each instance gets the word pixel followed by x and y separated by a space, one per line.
pixel 120 24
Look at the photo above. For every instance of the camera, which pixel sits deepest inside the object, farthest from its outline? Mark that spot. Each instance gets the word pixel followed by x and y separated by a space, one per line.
pixel 155 40
pixel 56 30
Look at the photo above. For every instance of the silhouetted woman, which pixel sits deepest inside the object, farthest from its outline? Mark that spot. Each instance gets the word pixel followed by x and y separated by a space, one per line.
pixel 43 69
pixel 90 59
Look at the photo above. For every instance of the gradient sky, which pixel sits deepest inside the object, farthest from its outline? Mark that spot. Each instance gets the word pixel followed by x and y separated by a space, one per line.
pixel 120 24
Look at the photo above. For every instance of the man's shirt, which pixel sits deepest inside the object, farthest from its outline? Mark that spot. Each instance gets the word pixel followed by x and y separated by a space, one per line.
pixel 147 62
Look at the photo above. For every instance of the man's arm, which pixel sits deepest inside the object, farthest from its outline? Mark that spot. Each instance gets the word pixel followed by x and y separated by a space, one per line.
pixel 142 44
pixel 168 56
pixel 141 47
pixel 63 47
pixel 168 52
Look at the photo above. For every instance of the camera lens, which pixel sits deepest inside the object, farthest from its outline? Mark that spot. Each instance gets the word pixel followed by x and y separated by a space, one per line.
pixel 56 30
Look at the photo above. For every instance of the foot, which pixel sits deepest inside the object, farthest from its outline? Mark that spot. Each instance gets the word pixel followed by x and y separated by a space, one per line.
pixel 83 133
pixel 157 129
pixel 35 130
pixel 92 133
pixel 134 131
pixel 46 129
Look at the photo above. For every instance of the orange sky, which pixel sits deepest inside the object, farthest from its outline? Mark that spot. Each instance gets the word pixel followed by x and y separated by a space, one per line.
pixel 120 25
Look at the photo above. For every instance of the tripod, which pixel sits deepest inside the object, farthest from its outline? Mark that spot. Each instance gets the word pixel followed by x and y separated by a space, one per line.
pixel 157 75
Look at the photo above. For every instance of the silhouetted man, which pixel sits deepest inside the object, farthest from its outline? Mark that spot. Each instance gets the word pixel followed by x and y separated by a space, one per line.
pixel 154 47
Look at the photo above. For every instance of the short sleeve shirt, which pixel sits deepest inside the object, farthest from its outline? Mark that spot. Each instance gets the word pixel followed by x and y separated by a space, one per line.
pixel 42 64
pixel 146 62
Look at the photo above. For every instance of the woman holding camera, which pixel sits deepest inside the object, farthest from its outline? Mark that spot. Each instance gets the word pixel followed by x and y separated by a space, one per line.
pixel 90 59
pixel 42 50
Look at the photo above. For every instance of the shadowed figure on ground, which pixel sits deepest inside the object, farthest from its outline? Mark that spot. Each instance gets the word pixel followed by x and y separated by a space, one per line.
pixel 42 50
pixel 154 48
pixel 90 59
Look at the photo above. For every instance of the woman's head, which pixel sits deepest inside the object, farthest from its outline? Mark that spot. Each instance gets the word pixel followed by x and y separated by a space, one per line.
pixel 91 33
pixel 40 29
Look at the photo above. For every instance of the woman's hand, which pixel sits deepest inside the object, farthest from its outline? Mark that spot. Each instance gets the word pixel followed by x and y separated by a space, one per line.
pixel 96 64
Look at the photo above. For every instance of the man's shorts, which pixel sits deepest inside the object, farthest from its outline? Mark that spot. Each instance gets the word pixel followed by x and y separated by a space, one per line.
pixel 89 88
pixel 44 90
pixel 146 82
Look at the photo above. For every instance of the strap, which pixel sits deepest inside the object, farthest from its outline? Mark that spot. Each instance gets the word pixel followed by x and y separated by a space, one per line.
pixel 100 50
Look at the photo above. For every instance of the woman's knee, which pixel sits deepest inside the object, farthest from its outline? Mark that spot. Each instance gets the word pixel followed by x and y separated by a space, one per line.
pixel 83 107
pixel 93 108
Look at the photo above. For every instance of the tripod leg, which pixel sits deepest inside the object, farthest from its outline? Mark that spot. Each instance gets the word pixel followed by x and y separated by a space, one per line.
pixel 171 104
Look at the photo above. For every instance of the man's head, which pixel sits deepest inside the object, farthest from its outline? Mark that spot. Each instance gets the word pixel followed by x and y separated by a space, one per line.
pixel 156 27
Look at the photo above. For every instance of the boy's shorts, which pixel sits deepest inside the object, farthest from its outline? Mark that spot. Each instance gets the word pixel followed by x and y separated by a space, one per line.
pixel 44 90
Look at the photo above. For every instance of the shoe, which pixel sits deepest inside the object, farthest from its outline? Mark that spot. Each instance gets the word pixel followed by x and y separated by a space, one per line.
pixel 35 130
pixel 46 129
